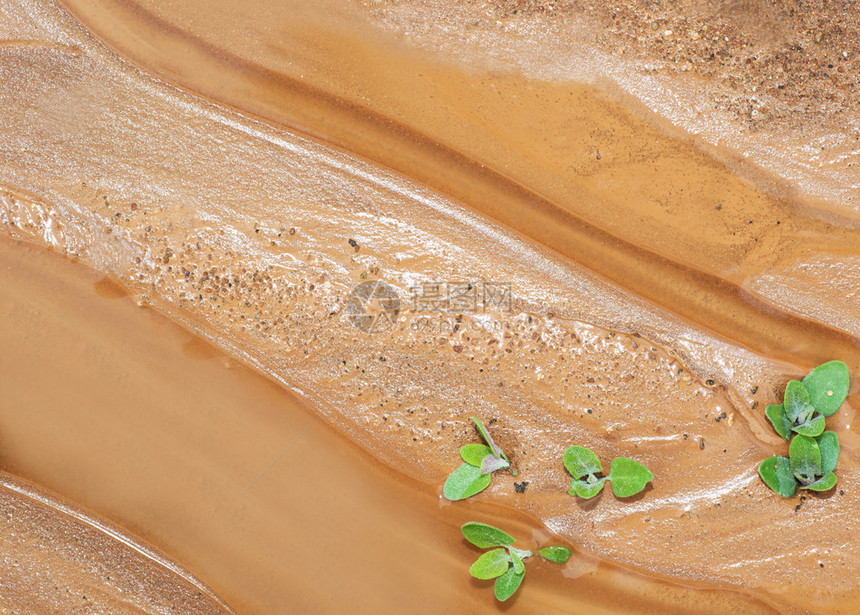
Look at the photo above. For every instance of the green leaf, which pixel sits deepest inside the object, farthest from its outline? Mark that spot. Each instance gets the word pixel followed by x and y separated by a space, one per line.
pixel 474 454
pixel 559 555
pixel 491 463
pixel 781 423
pixel 825 483
pixel 828 444
pixel 485 536
pixel 464 482
pixel 811 428
pixel 491 564
pixel 798 407
pixel 585 489
pixel 776 473
pixel 580 462
pixel 488 438
pixel 508 584
pixel 628 477
pixel 828 385
pixel 516 560
pixel 805 459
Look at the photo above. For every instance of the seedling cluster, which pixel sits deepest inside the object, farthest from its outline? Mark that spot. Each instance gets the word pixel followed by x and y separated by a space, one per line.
pixel 627 477
pixel 813 452
pixel 504 562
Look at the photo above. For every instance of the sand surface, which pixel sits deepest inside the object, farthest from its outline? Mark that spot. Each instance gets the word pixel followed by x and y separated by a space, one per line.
pixel 568 264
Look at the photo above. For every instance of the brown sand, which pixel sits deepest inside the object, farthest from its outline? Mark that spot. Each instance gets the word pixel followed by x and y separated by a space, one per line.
pixel 763 85
pixel 253 236
pixel 560 171
pixel 57 559
pixel 231 475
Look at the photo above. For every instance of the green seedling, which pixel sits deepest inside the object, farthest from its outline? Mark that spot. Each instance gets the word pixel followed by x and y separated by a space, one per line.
pixel 627 477
pixel 480 461
pixel 813 460
pixel 813 452
pixel 810 464
pixel 504 562
pixel 796 414
pixel 806 403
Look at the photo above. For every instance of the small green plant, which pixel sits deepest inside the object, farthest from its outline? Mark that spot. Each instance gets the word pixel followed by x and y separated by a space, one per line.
pixel 504 562
pixel 627 477
pixel 813 452
pixel 807 403
pixel 810 462
pixel 481 460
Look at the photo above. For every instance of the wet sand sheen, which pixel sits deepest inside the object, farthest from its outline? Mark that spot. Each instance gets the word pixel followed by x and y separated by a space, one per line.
pixel 322 73
pixel 232 476
pixel 244 232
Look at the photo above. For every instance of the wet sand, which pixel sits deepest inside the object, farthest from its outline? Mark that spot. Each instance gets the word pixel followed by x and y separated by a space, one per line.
pixel 555 161
pixel 761 86
pixel 648 304
pixel 233 476
pixel 57 559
